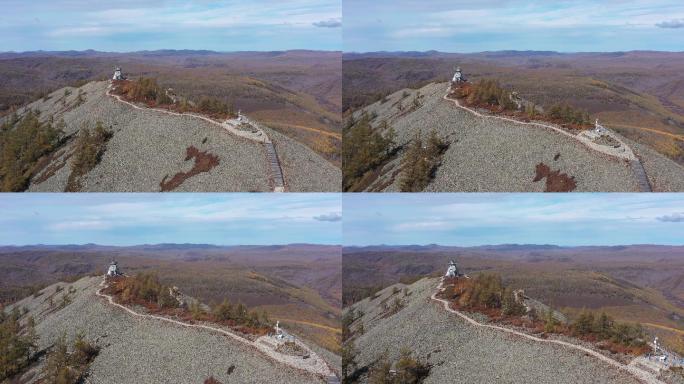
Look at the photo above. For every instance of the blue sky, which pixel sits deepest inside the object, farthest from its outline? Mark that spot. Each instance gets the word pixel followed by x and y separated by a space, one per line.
pixel 132 25
pixel 129 219
pixel 490 25
pixel 530 218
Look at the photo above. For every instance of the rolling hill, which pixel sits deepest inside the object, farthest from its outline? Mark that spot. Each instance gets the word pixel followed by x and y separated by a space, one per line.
pixel 298 284
pixel 639 94
pixel 132 348
pixel 448 348
pixel 298 93
pixel 144 149
pixel 482 152
pixel 631 283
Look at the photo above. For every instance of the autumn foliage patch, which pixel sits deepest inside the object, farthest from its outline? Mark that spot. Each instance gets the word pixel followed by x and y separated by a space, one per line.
pixel 147 291
pixel 486 294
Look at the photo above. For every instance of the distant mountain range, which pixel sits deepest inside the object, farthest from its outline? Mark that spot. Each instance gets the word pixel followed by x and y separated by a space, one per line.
pixel 506 247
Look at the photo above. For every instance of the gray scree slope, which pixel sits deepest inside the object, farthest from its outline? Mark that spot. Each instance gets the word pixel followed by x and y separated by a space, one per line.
pixel 136 350
pixel 148 145
pixel 498 156
pixel 466 353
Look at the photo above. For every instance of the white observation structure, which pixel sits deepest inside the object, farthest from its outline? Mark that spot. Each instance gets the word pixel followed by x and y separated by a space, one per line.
pixel 113 269
pixel 458 76
pixel 452 271
pixel 118 75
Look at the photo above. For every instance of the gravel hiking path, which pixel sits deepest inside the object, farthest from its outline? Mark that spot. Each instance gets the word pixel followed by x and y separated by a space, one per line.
pixel 635 163
pixel 313 365
pixel 643 376
pixel 276 177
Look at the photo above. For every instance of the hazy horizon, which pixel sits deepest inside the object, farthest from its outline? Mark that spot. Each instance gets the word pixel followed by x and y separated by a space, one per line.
pixel 151 218
pixel 131 25
pixel 170 244
pixel 491 25
pixel 511 244
pixel 517 51
pixel 174 50
pixel 463 219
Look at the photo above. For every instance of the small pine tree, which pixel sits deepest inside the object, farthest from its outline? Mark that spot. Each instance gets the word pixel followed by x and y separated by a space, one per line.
pixel 550 322
pixel 223 311
pixel 584 323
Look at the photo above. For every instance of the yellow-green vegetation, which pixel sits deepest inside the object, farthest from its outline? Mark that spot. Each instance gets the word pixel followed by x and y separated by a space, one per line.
pixel 349 363
pixel 17 343
pixel 420 162
pixel 89 149
pixel 226 312
pixel 144 287
pixel 145 89
pixel 23 141
pixel 213 105
pixel 409 370
pixel 66 365
pixel 488 92
pixel 484 290
pixel 603 327
pixel 567 114
pixel 363 149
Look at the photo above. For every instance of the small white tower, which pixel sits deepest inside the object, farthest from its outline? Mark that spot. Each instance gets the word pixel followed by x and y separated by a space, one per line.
pixel 278 331
pixel 452 271
pixel 458 76
pixel 113 269
pixel 118 75
pixel 598 128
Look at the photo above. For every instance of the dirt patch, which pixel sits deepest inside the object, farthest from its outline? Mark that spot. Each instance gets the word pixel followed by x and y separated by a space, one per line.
pixel 555 180
pixel 204 162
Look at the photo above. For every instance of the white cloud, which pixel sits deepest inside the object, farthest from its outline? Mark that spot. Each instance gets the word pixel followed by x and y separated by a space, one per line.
pixel 81 225
pixel 436 225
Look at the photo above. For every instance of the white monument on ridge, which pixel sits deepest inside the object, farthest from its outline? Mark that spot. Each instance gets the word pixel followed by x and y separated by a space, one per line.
pixel 458 76
pixel 278 331
pixel 599 129
pixel 118 75
pixel 452 271
pixel 113 269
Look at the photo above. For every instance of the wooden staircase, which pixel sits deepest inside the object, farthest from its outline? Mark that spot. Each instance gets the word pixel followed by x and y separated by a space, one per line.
pixel 274 168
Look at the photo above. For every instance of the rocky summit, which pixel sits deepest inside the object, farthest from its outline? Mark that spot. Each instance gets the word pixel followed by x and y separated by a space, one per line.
pixel 143 350
pixel 458 351
pixel 149 147
pixel 487 154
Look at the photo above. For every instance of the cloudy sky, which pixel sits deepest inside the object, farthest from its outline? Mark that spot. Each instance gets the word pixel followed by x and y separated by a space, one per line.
pixel 131 25
pixel 488 25
pixel 129 219
pixel 486 219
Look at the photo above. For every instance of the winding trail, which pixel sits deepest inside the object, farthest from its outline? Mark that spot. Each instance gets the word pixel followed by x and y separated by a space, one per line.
pixel 628 155
pixel 276 178
pixel 640 374
pixel 313 365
